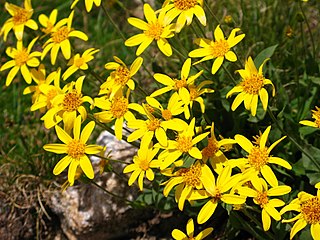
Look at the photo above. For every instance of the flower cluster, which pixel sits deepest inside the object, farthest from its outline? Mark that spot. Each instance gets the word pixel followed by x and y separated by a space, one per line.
pixel 176 138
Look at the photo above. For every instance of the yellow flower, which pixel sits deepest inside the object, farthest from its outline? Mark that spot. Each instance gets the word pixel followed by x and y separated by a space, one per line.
pixel 21 17
pixel 60 39
pixel 118 109
pixel 79 62
pixel 142 166
pixel 49 22
pixel 260 197
pixel 185 9
pixel 216 190
pixel 251 87
pixel 218 49
pixel 39 76
pixel 22 58
pixel 76 150
pixel 187 179
pixel 315 116
pixel 154 29
pixel 153 126
pixel 184 143
pixel 308 207
pixel 88 3
pixel 258 159
pixel 122 75
pixel 174 107
pixel 48 92
pixel 179 235
pixel 66 105
pixel 212 151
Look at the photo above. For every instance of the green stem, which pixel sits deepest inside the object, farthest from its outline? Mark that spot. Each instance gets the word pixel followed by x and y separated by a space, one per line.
pixel 113 23
pixel 230 75
pixel 210 11
pixel 110 193
pixel 309 30
pixel 292 139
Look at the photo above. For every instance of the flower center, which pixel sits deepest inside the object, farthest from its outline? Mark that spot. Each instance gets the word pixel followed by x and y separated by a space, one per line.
pixel 253 84
pixel 21 57
pixel 76 149
pixel 71 101
pixel 119 107
pixel 258 158
pixel 121 75
pixel 310 210
pixel 193 92
pixel 219 48
pixel 153 124
pixel 155 30
pixel 180 83
pixel 60 35
pixel 184 4
pixel 211 149
pixel 166 114
pixel 262 199
pixel 184 143
pixel 191 176
pixel 79 62
pixel 20 16
pixel 143 163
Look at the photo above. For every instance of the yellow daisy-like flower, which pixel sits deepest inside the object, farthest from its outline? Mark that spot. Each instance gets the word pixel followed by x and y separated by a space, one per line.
pixel 66 105
pixel 315 116
pixel 122 75
pixel 261 195
pixel 179 85
pixel 251 87
pixel 142 166
pixel 21 17
pixel 154 29
pixel 79 62
pixel 179 235
pixel 188 180
pixel 49 22
pixel 22 58
pixel 218 49
pixel 174 107
pixel 213 151
pixel 185 9
pixel 118 109
pixel 184 143
pixel 308 207
pixel 60 39
pixel 216 190
pixel 76 149
pixel 39 76
pixel 88 3
pixel 48 93
pixel 258 159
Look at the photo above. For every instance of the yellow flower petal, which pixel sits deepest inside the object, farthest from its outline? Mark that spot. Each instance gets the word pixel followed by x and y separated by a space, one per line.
pixel 62 165
pixel 56 148
pixel 86 166
pixel 266 220
pixel 86 132
pixel 72 171
pixel 207 211
pixel 269 176
pixel 244 143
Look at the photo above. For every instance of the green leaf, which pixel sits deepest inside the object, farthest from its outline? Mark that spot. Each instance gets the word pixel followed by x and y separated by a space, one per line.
pixel 264 54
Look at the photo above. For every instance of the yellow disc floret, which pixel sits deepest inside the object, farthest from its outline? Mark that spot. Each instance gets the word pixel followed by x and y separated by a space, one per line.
pixel 191 176
pixel 76 149
pixel 60 35
pixel 21 57
pixel 119 107
pixel 121 75
pixel 262 199
pixel 155 30
pixel 310 210
pixel 184 143
pixel 20 16
pixel 184 4
pixel 72 101
pixel 258 157
pixel 220 48
pixel 153 124
pixel 253 84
